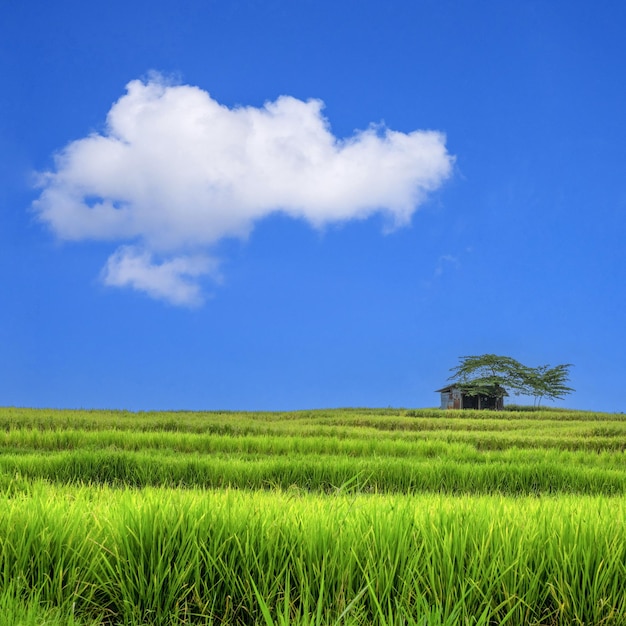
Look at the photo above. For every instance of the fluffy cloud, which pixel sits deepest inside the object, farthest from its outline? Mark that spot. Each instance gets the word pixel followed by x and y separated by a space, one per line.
pixel 170 280
pixel 175 172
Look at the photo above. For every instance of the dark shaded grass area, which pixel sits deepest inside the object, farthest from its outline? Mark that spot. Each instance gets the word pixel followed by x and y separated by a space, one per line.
pixel 376 475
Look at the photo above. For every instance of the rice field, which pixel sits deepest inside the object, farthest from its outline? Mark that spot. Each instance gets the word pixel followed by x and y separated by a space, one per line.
pixel 354 517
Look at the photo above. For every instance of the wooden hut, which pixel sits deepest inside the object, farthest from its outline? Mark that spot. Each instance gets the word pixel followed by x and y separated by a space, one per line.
pixel 452 397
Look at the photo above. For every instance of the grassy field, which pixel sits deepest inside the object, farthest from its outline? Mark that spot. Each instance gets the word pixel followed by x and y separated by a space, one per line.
pixel 355 516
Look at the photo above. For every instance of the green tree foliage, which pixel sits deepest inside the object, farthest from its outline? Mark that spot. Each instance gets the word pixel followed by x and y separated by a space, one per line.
pixel 547 382
pixel 495 376
pixel 488 374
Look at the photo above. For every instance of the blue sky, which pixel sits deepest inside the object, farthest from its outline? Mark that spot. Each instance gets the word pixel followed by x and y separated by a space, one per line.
pixel 184 225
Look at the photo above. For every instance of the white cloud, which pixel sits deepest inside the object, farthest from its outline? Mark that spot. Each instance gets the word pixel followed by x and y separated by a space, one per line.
pixel 175 172
pixel 169 280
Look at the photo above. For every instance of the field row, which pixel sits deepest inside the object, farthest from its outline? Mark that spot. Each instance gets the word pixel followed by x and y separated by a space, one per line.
pixel 346 421
pixel 356 450
pixel 312 473
pixel 447 439
pixel 230 557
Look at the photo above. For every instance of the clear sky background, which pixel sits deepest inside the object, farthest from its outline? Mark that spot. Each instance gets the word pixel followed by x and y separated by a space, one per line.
pixel 183 225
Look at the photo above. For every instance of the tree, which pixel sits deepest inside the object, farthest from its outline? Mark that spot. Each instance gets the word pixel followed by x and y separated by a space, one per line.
pixel 547 382
pixel 488 374
pixel 495 376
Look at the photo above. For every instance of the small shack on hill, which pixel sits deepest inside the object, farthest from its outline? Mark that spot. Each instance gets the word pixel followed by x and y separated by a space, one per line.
pixel 453 397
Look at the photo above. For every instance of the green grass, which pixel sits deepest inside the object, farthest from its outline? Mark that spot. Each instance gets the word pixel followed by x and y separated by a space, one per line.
pixel 349 517
pixel 167 556
pixel 515 453
pixel 510 474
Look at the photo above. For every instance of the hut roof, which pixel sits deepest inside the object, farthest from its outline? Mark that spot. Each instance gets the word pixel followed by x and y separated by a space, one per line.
pixel 454 385
pixel 448 388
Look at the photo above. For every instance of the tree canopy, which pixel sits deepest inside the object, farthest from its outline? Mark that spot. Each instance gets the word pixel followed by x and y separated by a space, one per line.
pixel 496 376
pixel 547 382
